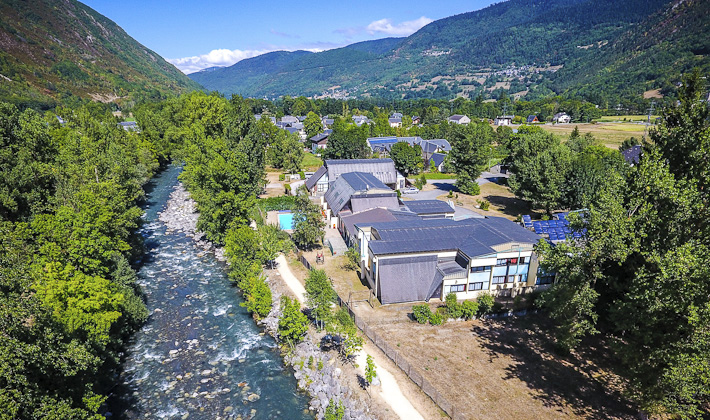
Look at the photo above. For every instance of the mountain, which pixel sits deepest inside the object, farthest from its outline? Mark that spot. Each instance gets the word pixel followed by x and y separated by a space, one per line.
pixel 54 50
pixel 530 48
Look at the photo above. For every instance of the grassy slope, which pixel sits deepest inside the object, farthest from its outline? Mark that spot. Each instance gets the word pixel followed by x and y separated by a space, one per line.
pixel 53 50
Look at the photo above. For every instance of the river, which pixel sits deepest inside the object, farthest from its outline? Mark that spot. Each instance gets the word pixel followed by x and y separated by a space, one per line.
pixel 200 355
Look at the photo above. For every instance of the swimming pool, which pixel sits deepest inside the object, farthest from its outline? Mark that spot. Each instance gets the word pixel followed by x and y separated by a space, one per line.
pixel 286 221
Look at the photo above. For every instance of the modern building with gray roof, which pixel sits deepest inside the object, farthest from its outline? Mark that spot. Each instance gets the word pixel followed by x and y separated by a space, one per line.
pixel 418 259
pixel 382 169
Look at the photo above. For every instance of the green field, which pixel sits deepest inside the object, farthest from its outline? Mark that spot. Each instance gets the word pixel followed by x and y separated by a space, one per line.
pixel 609 134
pixel 626 118
pixel 311 162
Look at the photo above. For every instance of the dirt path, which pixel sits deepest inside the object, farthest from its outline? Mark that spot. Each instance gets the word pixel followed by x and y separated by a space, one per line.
pixel 291 280
pixel 389 389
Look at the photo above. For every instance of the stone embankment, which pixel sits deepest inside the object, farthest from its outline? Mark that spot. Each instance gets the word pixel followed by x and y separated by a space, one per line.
pixel 315 370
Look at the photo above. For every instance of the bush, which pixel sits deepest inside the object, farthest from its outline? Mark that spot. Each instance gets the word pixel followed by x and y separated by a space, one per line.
pixel 469 309
pixel 257 296
pixel 422 313
pixel 519 303
pixel 436 318
pixel 287 187
pixel 282 177
pixel 485 303
pixel 420 182
pixel 352 261
pixel 498 308
pixel 484 204
pixel 302 174
pixel 453 309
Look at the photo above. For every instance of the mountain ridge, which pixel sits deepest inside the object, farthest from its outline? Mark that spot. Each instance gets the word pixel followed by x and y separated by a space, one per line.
pixel 533 48
pixel 58 51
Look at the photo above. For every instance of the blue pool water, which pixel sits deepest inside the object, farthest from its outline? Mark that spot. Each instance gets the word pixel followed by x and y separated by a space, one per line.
pixel 286 221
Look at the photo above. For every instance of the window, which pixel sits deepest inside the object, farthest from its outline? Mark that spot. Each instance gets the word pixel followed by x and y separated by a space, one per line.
pixel 522 260
pixel 502 261
pixel 498 279
pixel 475 286
pixel 457 288
pixel 481 269
pixel 545 280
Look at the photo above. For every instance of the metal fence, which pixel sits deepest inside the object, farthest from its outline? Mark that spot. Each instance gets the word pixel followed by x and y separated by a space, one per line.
pixel 447 406
pixel 304 261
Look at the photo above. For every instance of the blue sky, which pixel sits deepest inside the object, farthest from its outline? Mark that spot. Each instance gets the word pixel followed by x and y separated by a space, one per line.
pixel 197 34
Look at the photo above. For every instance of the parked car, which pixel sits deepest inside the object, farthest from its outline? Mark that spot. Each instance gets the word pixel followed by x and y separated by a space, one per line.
pixel 410 190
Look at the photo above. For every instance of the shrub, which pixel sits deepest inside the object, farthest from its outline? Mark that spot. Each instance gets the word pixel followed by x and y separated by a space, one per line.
pixel 519 303
pixel 469 308
pixel 287 187
pixel 319 294
pixel 302 174
pixel 352 261
pixel 257 296
pixel 422 313
pixel 282 177
pixel 498 308
pixel 485 303
pixel 453 309
pixel 436 318
pixel 484 204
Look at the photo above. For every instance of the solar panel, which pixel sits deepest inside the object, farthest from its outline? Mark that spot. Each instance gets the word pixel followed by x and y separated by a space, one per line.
pixel 538 229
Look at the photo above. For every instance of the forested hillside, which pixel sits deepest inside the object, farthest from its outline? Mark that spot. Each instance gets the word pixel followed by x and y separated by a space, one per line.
pixel 56 52
pixel 610 52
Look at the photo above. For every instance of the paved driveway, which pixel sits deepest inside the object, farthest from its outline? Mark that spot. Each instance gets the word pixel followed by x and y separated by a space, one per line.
pixel 443 186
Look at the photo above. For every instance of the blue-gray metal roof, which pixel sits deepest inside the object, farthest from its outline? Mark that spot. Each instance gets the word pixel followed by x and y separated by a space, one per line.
pixel 473 237
pixel 360 203
pixel 443 144
pixel 382 169
pixel 632 155
pixel 438 158
pixel 428 206
pixel 362 181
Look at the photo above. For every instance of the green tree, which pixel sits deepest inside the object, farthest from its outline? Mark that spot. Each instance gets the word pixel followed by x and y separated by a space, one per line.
pixel 590 169
pixel 370 370
pixel 540 165
pixel 347 141
pixel 308 222
pixel 257 294
pixel 485 303
pixel 640 277
pixel 470 150
pixel 243 253
pixel 312 125
pixel 293 324
pixel 286 152
pixel 407 159
pixel 342 325
pixel 334 411
pixel 319 294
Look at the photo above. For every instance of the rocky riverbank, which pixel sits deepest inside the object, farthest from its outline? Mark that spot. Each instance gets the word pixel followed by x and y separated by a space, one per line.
pixel 315 370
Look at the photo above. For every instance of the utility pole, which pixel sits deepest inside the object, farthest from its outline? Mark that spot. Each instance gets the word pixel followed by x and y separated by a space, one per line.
pixel 648 118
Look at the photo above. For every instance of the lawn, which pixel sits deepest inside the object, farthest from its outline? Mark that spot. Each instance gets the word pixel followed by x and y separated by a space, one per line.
pixel 610 134
pixel 437 175
pixel 311 162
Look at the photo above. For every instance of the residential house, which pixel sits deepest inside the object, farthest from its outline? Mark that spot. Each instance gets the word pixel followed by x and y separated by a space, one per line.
pixel 383 145
pixel 416 120
pixel 419 260
pixel 397 115
pixel 504 120
pixel 532 119
pixel 130 126
pixel 327 122
pixel 272 119
pixel 382 169
pixel 459 119
pixel 561 118
pixel 360 120
pixel 319 142
pixel 438 159
pixel 395 122
pixel 288 119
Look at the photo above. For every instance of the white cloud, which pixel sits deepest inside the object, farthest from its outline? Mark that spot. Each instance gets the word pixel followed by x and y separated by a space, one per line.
pixel 220 57
pixel 386 26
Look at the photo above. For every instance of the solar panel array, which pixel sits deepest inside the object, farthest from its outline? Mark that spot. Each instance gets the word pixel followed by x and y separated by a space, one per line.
pixel 557 230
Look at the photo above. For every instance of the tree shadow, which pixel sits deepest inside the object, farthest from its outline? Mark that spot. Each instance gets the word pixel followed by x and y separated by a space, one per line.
pixel 582 382
pixel 445 186
pixel 509 205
